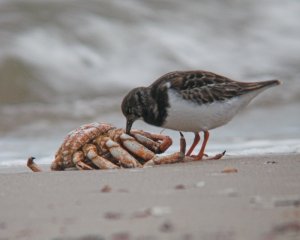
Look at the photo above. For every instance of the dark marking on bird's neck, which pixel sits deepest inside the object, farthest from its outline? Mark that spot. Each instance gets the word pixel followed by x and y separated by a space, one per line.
pixel 156 109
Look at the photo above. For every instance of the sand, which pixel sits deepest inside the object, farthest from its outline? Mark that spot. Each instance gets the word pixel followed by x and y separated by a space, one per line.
pixel 258 198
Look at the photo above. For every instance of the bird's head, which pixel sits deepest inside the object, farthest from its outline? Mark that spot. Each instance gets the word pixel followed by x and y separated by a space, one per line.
pixel 133 106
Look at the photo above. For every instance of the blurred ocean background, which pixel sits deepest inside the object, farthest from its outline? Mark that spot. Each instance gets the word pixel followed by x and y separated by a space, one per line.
pixel 66 63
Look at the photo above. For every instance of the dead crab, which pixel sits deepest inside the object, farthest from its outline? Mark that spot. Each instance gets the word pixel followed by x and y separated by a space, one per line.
pixel 103 146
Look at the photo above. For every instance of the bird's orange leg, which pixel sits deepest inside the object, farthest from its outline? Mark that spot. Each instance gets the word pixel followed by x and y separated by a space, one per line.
pixel 196 141
pixel 201 152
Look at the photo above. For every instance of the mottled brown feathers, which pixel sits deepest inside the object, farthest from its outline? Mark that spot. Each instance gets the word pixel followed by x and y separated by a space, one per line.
pixel 207 87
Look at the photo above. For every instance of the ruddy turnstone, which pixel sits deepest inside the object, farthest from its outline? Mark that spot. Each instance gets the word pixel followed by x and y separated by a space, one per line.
pixel 191 101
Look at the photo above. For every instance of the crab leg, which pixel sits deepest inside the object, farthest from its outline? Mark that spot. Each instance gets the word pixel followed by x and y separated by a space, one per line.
pixel 31 164
pixel 171 158
pixel 78 159
pixel 136 148
pixel 167 159
pixel 90 151
pixel 148 140
pixel 121 154
pixel 166 141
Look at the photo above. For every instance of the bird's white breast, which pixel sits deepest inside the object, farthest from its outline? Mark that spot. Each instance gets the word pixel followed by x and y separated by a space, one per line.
pixel 189 116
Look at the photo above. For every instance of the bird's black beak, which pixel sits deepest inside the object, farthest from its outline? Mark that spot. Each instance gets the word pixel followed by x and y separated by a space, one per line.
pixel 129 125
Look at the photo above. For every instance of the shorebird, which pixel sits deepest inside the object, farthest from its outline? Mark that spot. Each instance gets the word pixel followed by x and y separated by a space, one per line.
pixel 191 101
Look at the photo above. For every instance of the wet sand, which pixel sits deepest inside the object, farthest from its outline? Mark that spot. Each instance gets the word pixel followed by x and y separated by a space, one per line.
pixel 258 197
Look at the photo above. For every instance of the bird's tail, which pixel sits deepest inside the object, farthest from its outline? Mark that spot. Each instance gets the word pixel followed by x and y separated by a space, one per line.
pixel 270 83
pixel 252 86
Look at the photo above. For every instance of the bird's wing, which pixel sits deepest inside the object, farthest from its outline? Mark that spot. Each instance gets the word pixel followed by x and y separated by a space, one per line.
pixel 199 86
pixel 206 87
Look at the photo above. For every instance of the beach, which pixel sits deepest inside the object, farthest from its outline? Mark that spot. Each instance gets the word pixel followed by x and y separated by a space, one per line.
pixel 237 197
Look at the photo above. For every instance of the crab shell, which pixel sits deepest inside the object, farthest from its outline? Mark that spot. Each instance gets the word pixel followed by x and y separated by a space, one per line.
pixel 75 140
